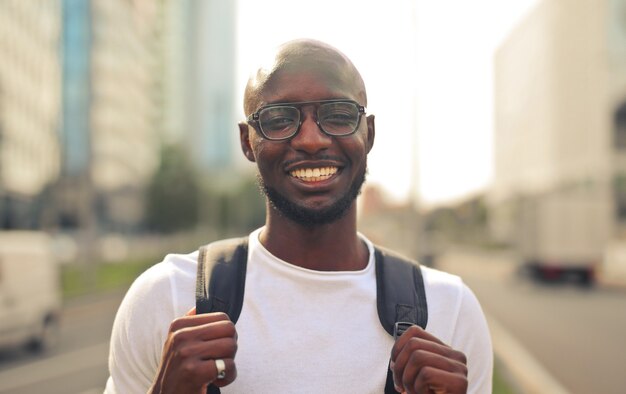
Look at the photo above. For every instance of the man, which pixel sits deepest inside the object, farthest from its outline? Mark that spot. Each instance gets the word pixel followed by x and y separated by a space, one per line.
pixel 309 322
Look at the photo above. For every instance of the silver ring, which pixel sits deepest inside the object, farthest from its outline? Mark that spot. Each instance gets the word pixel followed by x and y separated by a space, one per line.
pixel 221 368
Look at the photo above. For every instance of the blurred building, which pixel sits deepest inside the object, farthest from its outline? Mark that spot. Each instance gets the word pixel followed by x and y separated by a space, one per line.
pixel 560 120
pixel 111 99
pixel 199 67
pixel 213 120
pixel 30 92
pixel 90 90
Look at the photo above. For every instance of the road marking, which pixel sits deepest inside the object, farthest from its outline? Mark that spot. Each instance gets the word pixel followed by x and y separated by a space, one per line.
pixel 526 370
pixel 49 368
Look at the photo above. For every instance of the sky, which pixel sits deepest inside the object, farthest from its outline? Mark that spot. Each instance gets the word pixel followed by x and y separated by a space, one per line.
pixel 427 66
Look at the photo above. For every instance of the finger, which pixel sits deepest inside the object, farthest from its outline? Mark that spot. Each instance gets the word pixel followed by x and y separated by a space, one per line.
pixel 204 372
pixel 418 352
pixel 197 334
pixel 421 360
pixel 209 350
pixel 230 371
pixel 192 312
pixel 432 380
pixel 418 344
pixel 413 332
pixel 196 320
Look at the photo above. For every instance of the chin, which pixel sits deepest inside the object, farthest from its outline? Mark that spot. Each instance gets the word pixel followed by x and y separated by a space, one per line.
pixel 311 217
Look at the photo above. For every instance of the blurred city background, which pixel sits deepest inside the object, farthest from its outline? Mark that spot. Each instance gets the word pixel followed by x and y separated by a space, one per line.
pixel 500 156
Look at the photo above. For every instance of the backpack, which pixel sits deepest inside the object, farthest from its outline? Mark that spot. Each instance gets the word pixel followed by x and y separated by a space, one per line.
pixel 400 295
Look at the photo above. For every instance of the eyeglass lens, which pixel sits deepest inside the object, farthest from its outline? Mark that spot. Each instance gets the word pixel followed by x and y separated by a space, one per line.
pixel 339 118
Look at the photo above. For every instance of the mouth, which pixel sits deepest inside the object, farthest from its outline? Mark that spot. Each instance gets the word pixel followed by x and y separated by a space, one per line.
pixel 316 174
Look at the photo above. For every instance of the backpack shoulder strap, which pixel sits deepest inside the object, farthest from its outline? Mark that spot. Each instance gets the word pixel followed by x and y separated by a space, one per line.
pixel 400 296
pixel 221 277
pixel 400 290
pixel 220 280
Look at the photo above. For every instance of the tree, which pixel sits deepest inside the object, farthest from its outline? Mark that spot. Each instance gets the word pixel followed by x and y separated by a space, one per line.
pixel 173 195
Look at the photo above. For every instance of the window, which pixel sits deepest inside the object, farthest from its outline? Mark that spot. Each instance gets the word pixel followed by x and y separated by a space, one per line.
pixel 619 126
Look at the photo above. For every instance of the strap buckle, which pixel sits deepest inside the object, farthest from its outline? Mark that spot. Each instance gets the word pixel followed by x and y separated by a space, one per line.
pixel 399 328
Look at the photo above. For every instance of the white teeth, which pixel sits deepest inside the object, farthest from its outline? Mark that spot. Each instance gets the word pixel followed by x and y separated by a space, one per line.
pixel 314 174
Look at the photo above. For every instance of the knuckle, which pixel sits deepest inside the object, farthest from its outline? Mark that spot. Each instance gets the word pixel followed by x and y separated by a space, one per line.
pixel 233 348
pixel 462 357
pixel 176 324
pixel 427 374
pixel 229 328
pixel 188 368
pixel 463 369
pixel 413 342
pixel 416 357
pixel 184 352
pixel 178 338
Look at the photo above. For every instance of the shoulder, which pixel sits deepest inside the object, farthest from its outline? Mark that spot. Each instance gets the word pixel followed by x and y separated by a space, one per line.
pixel 454 313
pixel 448 298
pixel 456 317
pixel 166 278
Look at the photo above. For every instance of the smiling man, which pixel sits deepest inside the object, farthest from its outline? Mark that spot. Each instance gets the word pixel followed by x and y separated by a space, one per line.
pixel 309 321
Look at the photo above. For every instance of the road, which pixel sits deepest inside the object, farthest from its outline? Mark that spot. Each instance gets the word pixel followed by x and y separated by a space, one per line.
pixel 576 334
pixel 78 365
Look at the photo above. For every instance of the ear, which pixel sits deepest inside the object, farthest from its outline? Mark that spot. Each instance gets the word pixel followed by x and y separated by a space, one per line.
pixel 244 139
pixel 371 132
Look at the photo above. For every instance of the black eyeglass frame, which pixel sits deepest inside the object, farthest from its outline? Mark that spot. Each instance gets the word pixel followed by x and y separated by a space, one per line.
pixel 254 117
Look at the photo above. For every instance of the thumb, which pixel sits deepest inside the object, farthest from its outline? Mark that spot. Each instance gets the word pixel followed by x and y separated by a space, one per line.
pixel 191 312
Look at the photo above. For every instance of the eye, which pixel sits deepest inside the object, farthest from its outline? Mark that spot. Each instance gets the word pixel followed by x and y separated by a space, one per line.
pixel 339 114
pixel 278 122
pixel 278 118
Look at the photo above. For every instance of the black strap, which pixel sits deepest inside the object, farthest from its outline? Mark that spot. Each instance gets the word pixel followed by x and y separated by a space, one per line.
pixel 220 280
pixel 221 277
pixel 398 303
pixel 222 274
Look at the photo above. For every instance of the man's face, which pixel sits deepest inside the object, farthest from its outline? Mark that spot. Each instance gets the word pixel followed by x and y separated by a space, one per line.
pixel 311 178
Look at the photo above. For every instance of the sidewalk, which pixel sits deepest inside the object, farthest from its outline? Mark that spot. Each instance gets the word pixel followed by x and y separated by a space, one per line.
pixel 528 375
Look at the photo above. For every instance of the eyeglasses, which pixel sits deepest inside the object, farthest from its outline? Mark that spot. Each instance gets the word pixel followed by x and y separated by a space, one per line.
pixel 282 121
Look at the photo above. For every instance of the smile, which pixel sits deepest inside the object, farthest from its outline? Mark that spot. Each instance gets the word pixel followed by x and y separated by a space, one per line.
pixel 314 174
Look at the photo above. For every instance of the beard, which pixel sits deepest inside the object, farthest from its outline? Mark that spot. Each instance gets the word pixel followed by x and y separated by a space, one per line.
pixel 309 217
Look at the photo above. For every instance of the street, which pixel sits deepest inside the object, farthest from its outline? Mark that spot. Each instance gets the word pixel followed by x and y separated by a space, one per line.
pixel 78 365
pixel 576 334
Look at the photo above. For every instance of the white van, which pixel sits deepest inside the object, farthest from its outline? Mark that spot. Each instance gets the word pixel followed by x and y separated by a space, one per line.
pixel 30 292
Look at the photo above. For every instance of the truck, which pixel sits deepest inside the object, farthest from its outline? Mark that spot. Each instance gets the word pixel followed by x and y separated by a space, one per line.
pixel 30 291
pixel 563 235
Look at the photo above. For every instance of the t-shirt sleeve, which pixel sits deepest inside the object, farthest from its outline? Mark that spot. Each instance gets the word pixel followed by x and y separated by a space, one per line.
pixel 473 338
pixel 139 331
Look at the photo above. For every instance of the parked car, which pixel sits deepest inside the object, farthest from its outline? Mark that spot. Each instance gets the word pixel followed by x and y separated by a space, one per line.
pixel 30 291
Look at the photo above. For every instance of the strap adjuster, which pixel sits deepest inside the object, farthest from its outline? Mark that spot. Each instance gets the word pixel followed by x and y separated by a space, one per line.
pixel 399 328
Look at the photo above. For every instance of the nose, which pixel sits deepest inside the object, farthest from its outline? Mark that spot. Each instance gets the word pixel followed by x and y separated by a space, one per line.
pixel 310 138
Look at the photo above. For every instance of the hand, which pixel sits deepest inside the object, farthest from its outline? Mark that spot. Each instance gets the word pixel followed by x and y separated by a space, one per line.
pixel 422 364
pixel 193 344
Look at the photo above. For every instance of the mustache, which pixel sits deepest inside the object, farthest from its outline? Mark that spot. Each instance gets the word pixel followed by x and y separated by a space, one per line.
pixel 320 157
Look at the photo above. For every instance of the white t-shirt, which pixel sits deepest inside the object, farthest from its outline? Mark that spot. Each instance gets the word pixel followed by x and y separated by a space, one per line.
pixel 300 331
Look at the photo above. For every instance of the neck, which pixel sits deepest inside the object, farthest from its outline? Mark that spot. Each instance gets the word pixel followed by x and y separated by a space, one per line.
pixel 329 247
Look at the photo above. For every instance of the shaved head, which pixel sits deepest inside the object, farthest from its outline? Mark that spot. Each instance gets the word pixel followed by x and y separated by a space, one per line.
pixel 304 56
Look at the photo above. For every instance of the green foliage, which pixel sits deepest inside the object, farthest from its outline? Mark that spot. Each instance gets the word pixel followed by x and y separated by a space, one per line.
pixel 173 195
pixel 81 279
pixel 501 384
pixel 233 210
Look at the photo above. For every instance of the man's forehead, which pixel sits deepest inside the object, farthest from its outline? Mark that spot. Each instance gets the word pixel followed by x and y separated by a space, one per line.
pixel 308 81
pixel 304 60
